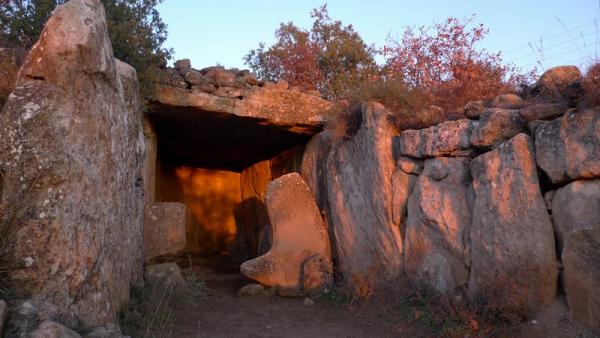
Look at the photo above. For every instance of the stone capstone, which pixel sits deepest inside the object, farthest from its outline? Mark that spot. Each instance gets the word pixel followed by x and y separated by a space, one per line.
pixel 513 257
pixel 71 166
pixel 300 256
pixel 436 242
pixel 568 148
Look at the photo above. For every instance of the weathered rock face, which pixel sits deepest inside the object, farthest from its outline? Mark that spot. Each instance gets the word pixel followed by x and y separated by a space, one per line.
pixel 164 230
pixel 576 206
pixel 568 148
pixel 73 166
pixel 543 111
pixel 299 261
pixel 436 243
pixel 447 139
pixel 558 82
pixel 314 166
pixel 582 277
pixel 359 173
pixel 495 127
pixel 513 259
pixel 402 186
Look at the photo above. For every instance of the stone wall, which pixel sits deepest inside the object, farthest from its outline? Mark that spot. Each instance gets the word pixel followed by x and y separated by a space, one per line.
pixel 474 207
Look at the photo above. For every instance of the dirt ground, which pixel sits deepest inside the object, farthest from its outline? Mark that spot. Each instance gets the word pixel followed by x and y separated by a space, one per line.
pixel 219 312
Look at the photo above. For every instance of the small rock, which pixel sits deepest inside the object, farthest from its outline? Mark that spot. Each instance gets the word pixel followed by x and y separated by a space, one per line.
pixel 508 101
pixel 308 302
pixel 251 290
pixel 162 277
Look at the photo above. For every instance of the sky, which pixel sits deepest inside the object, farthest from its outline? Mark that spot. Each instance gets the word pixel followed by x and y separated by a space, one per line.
pixel 223 31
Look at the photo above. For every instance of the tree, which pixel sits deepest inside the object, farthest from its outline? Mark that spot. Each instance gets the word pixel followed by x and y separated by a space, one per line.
pixel 331 57
pixel 443 60
pixel 135 28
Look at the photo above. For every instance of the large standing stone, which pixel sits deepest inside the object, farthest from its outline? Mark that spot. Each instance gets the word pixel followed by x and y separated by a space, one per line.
pixel 582 277
pixel 300 253
pixel 71 161
pixel 568 148
pixel 436 244
pixel 495 127
pixel 367 243
pixel 314 166
pixel 402 186
pixel 513 258
pixel 576 206
pixel 164 230
pixel 450 138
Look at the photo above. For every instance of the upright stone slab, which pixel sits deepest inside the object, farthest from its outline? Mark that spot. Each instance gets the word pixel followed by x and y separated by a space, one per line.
pixel 359 173
pixel 582 277
pixel 71 159
pixel 164 229
pixel 299 261
pixel 436 243
pixel 576 206
pixel 513 258
pixel 568 148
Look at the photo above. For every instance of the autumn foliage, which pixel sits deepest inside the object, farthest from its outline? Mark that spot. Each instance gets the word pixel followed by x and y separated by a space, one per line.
pixel 436 65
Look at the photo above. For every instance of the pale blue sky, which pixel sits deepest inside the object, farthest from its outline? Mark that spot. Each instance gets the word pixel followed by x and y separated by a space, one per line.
pixel 210 32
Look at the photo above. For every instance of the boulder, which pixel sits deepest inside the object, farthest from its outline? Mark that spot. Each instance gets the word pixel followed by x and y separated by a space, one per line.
pixel 474 109
pixel 164 278
pixel 359 192
pixel 568 148
pixel 436 242
pixel 575 206
pixel 183 65
pixel 543 111
pixel 508 101
pixel 450 138
pixel 402 186
pixel 582 277
pixel 71 164
pixel 513 257
pixel 164 229
pixel 26 316
pixel 558 82
pixel 495 127
pixel 50 329
pixel 299 234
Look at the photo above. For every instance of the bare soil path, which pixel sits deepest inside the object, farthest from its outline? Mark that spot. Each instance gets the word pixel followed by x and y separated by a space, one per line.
pixel 220 312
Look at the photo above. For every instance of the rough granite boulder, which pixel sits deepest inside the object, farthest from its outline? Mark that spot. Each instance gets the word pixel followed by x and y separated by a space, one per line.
pixel 575 206
pixel 72 169
pixel 543 111
pixel 513 257
pixel 496 126
pixel 164 229
pixel 582 277
pixel 436 242
pixel 558 82
pixel 359 193
pixel 508 101
pixel 300 255
pixel 450 138
pixel 568 148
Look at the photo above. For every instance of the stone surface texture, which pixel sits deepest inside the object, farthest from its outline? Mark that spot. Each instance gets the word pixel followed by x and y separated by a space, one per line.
pixel 496 126
pixel 513 257
pixel 164 229
pixel 359 192
pixel 436 242
pixel 72 168
pixel 447 139
pixel 568 148
pixel 299 237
